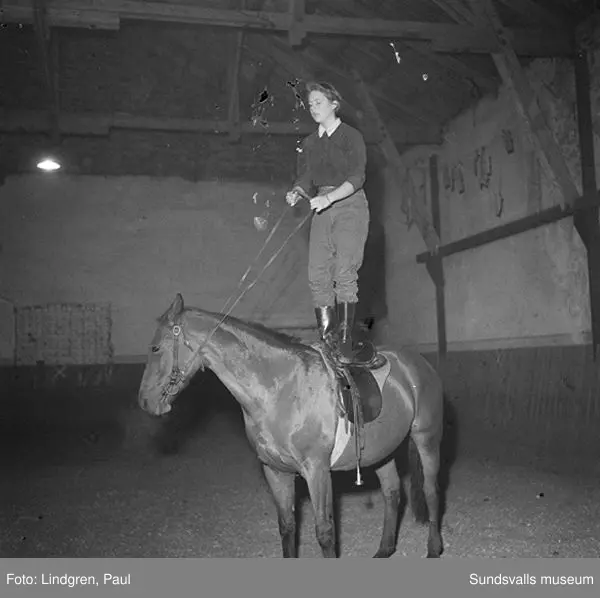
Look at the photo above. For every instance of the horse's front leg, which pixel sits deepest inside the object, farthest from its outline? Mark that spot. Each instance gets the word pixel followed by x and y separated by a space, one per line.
pixel 318 479
pixel 283 487
pixel 390 488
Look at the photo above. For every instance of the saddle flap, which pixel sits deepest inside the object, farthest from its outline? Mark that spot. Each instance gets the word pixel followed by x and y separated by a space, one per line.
pixel 369 384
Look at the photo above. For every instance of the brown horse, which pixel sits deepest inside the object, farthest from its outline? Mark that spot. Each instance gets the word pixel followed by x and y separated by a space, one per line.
pixel 290 400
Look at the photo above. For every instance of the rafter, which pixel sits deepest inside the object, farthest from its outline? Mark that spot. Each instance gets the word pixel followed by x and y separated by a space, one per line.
pixel 313 60
pixel 457 11
pixel 407 109
pixel 516 81
pixel 300 65
pixel 100 124
pixel 296 65
pixel 444 37
pixel 534 11
pixel 233 113
pixel 297 32
pixel 448 63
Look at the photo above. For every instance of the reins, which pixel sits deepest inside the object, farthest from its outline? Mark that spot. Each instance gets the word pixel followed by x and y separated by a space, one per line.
pixel 177 374
pixel 228 311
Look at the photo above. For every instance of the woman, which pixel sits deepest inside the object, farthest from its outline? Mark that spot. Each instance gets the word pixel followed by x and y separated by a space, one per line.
pixel 332 163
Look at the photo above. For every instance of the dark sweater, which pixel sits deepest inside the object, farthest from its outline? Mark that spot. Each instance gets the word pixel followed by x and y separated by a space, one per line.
pixel 332 160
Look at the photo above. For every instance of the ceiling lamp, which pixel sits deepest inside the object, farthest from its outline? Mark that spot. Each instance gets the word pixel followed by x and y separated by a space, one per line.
pixel 48 164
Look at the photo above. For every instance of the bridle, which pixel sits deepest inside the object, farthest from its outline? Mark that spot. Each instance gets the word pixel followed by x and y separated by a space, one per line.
pixel 178 375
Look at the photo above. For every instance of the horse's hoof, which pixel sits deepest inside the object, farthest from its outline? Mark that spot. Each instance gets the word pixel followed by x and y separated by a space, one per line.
pixel 384 554
pixel 434 553
pixel 435 548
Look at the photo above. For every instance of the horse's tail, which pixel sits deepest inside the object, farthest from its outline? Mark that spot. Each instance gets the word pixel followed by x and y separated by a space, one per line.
pixel 417 495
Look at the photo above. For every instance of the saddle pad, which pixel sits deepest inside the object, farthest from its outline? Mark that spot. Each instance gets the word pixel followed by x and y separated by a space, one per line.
pixel 343 433
pixel 342 438
pixel 381 374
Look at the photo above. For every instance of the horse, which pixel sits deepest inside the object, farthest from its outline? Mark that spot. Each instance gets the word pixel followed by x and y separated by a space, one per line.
pixel 290 400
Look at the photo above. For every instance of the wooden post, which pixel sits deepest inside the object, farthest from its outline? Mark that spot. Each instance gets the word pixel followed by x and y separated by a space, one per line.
pixel 586 221
pixel 435 266
pixel 48 46
pixel 296 32
pixel 233 113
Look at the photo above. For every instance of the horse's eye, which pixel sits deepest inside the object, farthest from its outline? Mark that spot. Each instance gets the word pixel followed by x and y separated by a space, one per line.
pixel 155 348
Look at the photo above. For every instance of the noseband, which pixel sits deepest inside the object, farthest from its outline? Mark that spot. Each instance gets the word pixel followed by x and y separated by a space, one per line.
pixel 178 375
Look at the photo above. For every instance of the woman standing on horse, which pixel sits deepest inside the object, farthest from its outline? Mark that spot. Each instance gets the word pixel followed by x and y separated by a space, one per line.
pixel 332 162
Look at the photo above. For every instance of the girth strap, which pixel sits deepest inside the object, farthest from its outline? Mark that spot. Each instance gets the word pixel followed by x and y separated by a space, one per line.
pixel 343 376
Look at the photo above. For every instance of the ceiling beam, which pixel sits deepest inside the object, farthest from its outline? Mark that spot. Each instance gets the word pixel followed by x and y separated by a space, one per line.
pixel 456 10
pixel 298 67
pixel 444 37
pixel 17 11
pixel 101 124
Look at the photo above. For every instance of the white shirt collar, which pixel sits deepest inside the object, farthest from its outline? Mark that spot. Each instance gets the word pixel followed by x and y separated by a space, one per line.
pixel 336 123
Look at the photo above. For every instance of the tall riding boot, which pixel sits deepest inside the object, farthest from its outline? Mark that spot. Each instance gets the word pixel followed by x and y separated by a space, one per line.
pixel 327 323
pixel 346 313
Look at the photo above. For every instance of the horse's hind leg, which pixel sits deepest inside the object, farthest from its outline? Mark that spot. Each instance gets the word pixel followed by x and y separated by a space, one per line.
pixel 318 479
pixel 390 488
pixel 283 488
pixel 428 446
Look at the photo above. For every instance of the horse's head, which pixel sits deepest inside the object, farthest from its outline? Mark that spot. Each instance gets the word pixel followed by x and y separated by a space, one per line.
pixel 172 361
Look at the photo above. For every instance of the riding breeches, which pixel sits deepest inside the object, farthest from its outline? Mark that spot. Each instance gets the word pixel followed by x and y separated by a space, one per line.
pixel 336 249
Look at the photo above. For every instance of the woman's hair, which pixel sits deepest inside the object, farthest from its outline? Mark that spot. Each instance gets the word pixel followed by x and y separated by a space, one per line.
pixel 327 89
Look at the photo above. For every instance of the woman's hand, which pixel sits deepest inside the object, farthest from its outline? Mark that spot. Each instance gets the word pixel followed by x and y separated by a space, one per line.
pixel 320 203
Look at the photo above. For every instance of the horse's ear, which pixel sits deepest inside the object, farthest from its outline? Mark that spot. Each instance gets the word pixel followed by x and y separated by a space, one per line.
pixel 176 308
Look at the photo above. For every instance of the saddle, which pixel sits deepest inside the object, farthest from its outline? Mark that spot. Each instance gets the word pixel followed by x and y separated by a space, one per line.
pixel 361 399
pixel 360 396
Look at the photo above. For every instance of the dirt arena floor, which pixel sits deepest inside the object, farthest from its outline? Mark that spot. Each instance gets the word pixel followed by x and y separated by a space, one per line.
pixel 189 486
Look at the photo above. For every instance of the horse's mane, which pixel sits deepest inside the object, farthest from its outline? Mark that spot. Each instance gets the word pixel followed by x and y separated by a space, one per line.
pixel 257 330
pixel 263 332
